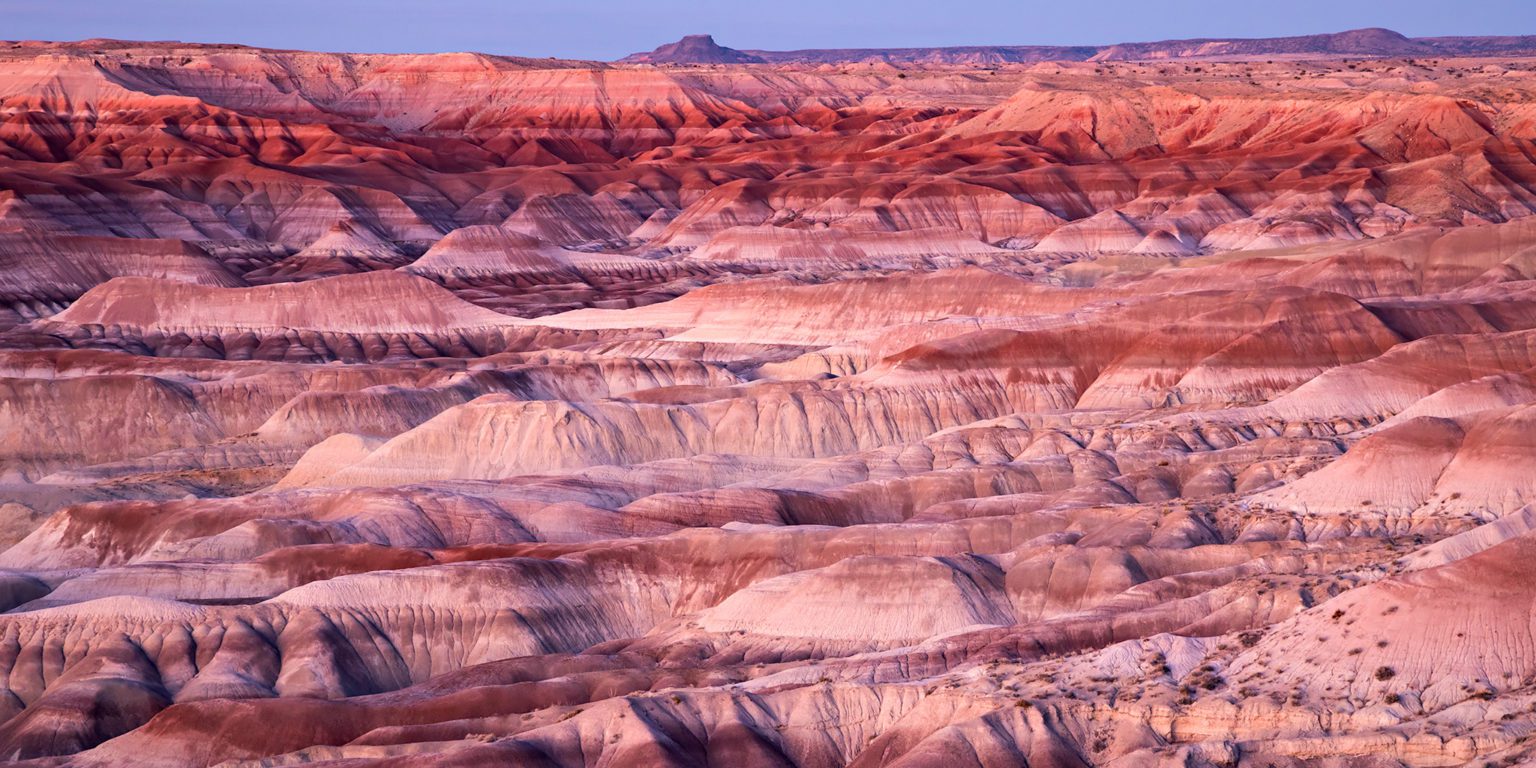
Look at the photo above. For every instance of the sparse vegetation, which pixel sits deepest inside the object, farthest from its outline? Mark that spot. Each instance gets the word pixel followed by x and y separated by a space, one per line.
pixel 948 342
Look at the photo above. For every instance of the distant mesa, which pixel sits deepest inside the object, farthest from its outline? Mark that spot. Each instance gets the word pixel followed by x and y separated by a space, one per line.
pixel 1370 42
pixel 694 49
pixel 1355 42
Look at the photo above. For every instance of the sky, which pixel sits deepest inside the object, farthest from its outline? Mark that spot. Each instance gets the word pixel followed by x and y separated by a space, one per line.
pixel 608 29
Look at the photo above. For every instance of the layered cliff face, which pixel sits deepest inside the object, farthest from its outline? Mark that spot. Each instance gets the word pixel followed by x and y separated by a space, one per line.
pixel 469 410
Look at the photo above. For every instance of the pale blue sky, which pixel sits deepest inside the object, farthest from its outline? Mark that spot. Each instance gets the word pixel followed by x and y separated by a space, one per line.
pixel 607 29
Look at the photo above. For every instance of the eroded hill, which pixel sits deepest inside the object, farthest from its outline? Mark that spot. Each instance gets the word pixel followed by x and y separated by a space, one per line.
pixel 471 410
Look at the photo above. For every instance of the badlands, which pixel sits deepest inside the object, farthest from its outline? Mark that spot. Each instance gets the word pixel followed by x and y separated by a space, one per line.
pixel 1158 404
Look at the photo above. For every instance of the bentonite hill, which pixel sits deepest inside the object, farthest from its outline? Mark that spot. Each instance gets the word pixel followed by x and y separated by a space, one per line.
pixel 1154 404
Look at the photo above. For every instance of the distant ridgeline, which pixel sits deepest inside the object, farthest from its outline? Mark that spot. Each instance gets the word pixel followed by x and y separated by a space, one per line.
pixel 702 49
